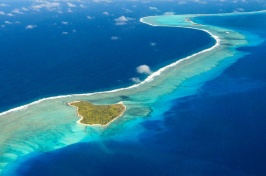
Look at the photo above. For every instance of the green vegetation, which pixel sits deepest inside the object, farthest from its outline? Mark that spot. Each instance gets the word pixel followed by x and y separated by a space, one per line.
pixel 97 114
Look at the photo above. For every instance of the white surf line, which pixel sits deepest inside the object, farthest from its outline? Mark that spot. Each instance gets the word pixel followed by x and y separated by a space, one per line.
pixel 154 74
pixel 148 79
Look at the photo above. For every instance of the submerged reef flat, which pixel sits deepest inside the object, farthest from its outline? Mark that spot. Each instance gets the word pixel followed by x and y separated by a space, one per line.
pixel 97 114
pixel 49 124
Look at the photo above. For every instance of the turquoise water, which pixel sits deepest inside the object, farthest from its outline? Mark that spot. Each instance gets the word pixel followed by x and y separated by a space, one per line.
pixel 26 139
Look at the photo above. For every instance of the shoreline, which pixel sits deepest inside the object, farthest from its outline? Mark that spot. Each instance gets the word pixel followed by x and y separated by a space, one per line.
pixel 81 117
pixel 57 131
pixel 150 77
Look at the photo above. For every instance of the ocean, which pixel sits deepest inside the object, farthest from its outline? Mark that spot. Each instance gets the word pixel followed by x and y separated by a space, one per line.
pixel 43 62
pixel 212 123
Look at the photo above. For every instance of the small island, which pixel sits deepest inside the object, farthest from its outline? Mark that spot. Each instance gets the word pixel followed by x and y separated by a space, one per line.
pixel 97 114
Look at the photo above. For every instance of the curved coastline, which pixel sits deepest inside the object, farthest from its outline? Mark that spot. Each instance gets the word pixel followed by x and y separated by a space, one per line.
pixel 154 74
pixel 148 79
pixel 138 90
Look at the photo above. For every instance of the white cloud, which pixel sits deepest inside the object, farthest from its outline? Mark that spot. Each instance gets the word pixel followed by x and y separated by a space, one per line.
pixel 102 1
pixel 239 10
pixel 8 22
pixel 169 13
pixel 127 10
pixel 9 14
pixel 2 13
pixel 115 38
pixel 82 6
pixel 3 26
pixel 153 44
pixel 182 2
pixel 144 69
pixel 64 33
pixel 69 10
pixel 71 5
pixel 90 17
pixel 36 7
pixel 17 11
pixel 30 26
pixel 105 13
pixel 65 22
pixel 25 9
pixel 122 20
pixel 135 80
pixel 153 8
pixel 4 5
pixel 200 1
pixel 46 5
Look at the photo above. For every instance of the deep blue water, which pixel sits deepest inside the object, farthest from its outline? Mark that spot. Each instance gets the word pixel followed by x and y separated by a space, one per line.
pixel 218 131
pixel 42 62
